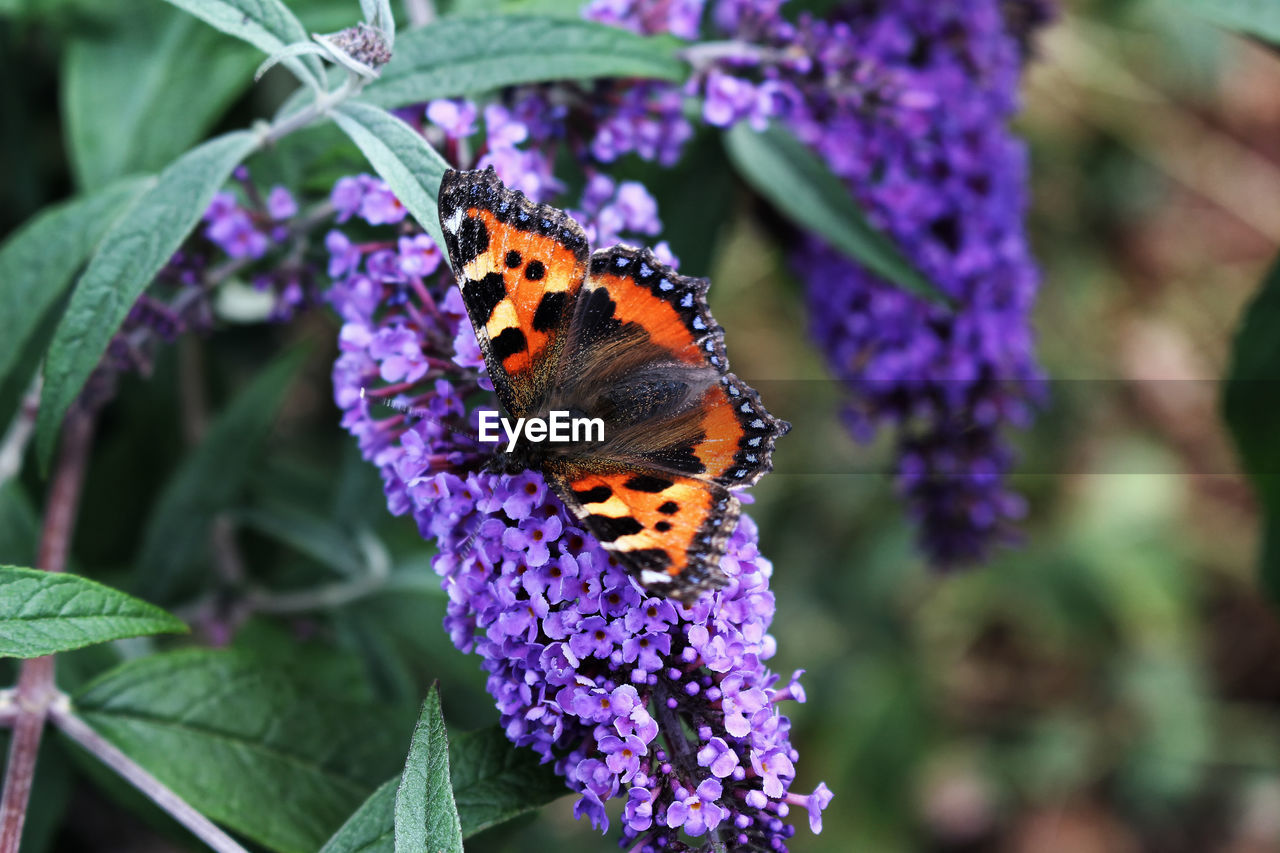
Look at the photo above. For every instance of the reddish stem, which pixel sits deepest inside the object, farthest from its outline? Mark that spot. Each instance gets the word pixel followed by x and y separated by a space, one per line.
pixel 35 681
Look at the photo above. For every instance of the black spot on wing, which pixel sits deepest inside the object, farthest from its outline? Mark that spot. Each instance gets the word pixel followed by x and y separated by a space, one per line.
pixel 669 508
pixel 597 320
pixel 654 559
pixel 662 526
pixel 648 483
pixel 472 240
pixel 681 459
pixel 483 295
pixel 535 271
pixel 507 344
pixel 595 495
pixel 609 529
pixel 550 309
pixel 513 259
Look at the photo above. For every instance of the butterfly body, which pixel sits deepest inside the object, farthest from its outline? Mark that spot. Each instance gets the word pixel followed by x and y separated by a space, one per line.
pixel 617 336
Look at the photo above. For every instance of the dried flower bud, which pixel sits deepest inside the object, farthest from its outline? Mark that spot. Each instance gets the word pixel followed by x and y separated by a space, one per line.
pixel 361 48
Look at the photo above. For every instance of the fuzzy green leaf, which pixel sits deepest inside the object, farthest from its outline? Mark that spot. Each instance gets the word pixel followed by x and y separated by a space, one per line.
pixel 411 167
pixel 210 478
pixel 38 261
pixel 266 24
pixel 42 613
pixel 426 817
pixel 462 55
pixel 493 782
pixel 783 170
pixel 144 87
pixel 133 250
pixel 372 828
pixel 279 759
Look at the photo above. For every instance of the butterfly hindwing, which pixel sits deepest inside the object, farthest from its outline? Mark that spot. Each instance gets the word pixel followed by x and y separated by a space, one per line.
pixel 669 531
pixel 520 266
pixel 629 294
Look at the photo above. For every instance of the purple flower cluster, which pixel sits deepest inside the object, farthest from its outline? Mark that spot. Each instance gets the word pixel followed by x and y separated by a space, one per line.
pixel 179 300
pixel 248 232
pixel 586 668
pixel 934 163
pixel 908 102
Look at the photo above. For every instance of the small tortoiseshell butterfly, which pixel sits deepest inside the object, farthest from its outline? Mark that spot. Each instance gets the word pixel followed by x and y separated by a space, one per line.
pixel 619 336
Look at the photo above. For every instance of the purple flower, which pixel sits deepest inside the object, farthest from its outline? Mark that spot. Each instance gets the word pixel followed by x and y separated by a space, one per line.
pixel 773 767
pixel 457 118
pixel 401 354
pixel 347 195
pixel 727 99
pixel 623 755
pixel 502 129
pixel 718 757
pixel 344 257
pixel 280 204
pixel 380 206
pixel 638 811
pixel 697 813
pixel 816 803
pixel 231 228
pixel 419 255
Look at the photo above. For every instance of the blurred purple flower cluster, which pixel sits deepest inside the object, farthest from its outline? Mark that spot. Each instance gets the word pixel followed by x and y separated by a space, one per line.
pixel 933 162
pixel 908 103
pixel 234 236
pixel 586 668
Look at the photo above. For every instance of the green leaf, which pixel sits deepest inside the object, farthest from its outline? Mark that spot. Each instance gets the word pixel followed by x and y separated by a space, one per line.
pixel 426 817
pixel 411 167
pixel 254 747
pixel 372 828
pixel 38 260
pixel 783 170
pixel 42 613
pixel 1249 407
pixel 1258 18
pixel 308 533
pixel 133 250
pixel 19 525
pixel 266 24
pixel 210 479
pixel 460 56
pixel 144 88
pixel 493 781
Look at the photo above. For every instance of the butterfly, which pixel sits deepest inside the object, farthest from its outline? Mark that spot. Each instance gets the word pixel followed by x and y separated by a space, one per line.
pixel 618 336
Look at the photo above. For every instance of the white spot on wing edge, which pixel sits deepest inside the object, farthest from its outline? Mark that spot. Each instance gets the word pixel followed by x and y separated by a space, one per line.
pixel 454 222
pixel 649 577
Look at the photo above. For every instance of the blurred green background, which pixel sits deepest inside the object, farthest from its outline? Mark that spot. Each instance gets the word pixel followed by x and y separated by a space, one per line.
pixel 1112 685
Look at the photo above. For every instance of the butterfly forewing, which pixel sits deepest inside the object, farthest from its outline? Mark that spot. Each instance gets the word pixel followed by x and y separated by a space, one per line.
pixel 520 266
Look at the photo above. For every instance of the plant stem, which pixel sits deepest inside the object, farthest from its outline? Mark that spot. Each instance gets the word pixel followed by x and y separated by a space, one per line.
pixel 100 748
pixel 36 688
pixel 14 445
pixel 320 107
